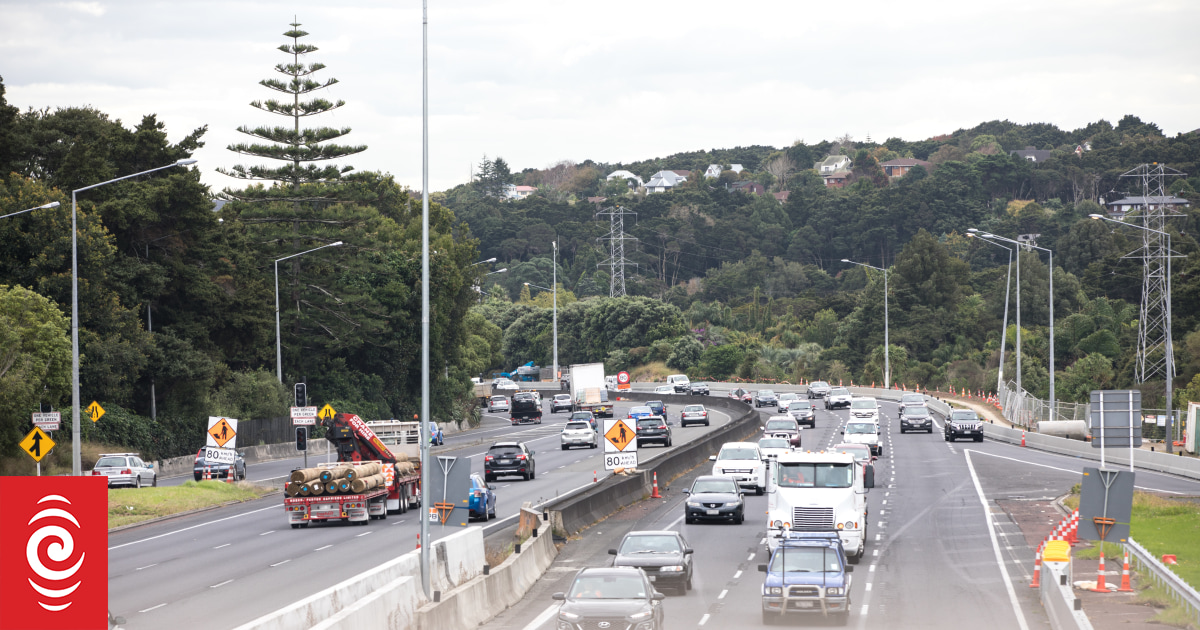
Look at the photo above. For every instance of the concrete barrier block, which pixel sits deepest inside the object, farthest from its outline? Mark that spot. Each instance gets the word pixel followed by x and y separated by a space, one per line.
pixel 457 558
pixel 1058 599
pixel 392 606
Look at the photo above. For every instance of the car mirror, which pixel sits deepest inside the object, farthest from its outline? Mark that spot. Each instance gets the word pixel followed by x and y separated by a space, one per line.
pixel 559 597
pixel 657 596
pixel 687 491
pixel 843 432
pixel 762 568
pixel 688 550
pixel 612 552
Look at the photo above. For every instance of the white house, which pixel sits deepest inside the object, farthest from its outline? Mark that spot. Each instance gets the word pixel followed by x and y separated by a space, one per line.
pixel 512 191
pixel 736 168
pixel 625 175
pixel 832 164
pixel 713 171
pixel 663 181
pixel 1118 208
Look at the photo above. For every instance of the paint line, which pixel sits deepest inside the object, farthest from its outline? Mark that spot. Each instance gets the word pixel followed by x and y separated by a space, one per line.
pixel 273 507
pixel 221 584
pixel 868 586
pixel 542 618
pixel 723 594
pixel 737 575
pixel 284 562
pixel 320 548
pixel 704 619
pixel 863 612
pixel 153 608
pixel 146 567
pixel 872 569
pixel 1012 595
pixel 364 534
pixel 225 545
pixel 267 532
pixel 751 557
pixel 1066 470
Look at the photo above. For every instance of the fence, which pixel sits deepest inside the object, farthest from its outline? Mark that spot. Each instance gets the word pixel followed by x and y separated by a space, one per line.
pixel 1180 591
pixel 269 431
pixel 1025 411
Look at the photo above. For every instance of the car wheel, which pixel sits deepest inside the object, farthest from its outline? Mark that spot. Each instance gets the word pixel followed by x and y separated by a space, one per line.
pixel 533 473
pixel 687 585
pixel 930 431
pixel 706 423
pixel 137 481
pixel 902 431
pixel 979 438
pixel 527 476
pixel 668 442
pixel 593 444
pixel 565 447
pixel 687 520
pixel 154 481
pixel 487 477
pixel 741 518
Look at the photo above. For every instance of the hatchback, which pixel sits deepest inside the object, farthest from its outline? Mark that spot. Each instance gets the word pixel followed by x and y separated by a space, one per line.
pixel 653 429
pixel 498 403
pixel 125 469
pixel 560 402
pixel 613 598
pixel 663 555
pixel 693 414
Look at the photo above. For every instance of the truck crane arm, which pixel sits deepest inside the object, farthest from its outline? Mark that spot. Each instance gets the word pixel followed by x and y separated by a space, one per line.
pixel 354 440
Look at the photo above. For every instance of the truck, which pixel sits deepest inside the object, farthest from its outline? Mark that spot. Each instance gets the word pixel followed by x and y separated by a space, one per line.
pixel 819 491
pixel 392 444
pixel 588 390
pixel 526 407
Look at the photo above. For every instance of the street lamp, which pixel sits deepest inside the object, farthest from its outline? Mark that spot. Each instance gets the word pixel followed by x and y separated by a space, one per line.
pixel 490 260
pixel 52 204
pixel 985 235
pixel 1004 331
pixel 553 292
pixel 278 347
pixel 496 271
pixel 887 365
pixel 76 467
pixel 1170 358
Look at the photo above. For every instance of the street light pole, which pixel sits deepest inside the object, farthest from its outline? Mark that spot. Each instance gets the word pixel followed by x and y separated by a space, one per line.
pixel 554 284
pixel 887 365
pixel 52 204
pixel 76 452
pixel 987 235
pixel 1004 331
pixel 278 346
pixel 424 426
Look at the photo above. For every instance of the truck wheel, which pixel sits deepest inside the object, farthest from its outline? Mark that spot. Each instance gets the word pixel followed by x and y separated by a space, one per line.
pixel 295 525
pixel 758 490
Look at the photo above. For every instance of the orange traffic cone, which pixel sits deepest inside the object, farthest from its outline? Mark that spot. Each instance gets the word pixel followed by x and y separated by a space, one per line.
pixel 655 494
pixel 595 477
pixel 1022 437
pixel 1101 587
pixel 1072 530
pixel 418 541
pixel 231 476
pixel 1037 568
pixel 1125 586
pixel 207 473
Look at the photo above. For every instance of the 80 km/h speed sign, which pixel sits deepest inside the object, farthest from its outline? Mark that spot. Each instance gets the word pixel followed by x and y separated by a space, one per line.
pixel 623 378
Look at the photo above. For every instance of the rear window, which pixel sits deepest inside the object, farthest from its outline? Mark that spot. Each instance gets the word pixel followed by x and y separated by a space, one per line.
pixel 649 422
pixel 781 425
pixel 581 415
pixel 639 410
pixel 562 397
pixel 498 399
pixel 773 443
pixel 573 426
pixel 107 462
pixel 504 450
pixel 694 408
pixel 523 396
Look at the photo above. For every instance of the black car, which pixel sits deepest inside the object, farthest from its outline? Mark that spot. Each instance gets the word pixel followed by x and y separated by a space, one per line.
pixel 765 397
pixel 916 418
pixel 963 423
pixel 714 497
pixel 610 597
pixel 657 407
pixel 218 471
pixel 664 555
pixel 653 429
pixel 509 458
pixel 698 389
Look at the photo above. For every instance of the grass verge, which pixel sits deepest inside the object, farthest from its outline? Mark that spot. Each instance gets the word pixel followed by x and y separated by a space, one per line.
pixel 653 372
pixel 128 505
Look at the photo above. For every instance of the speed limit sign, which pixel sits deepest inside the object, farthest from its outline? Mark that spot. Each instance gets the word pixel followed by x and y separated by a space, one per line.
pixel 623 377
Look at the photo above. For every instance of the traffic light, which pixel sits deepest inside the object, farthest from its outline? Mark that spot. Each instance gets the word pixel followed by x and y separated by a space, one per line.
pixel 301 438
pixel 301 395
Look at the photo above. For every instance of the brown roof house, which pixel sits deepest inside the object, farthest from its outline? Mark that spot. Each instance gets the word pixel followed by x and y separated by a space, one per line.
pixel 900 167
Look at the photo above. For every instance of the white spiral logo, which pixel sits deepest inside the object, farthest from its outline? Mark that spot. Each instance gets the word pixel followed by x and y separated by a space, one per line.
pixel 59 551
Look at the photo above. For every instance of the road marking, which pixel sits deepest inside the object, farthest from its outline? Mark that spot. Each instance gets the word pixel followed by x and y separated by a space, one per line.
pixel 542 618
pixel 722 594
pixel 877 536
pixel 146 567
pixel 398 522
pixel 874 552
pixel 1064 470
pixel 675 522
pixel 225 545
pixel 868 586
pixel 884 502
pixel 284 562
pixel 751 557
pixel 153 608
pixel 871 569
pixel 364 534
pixel 737 575
pixel 273 507
pixel 267 532
pixel 763 541
pixel 221 584
pixel 320 548
pixel 704 619
pixel 987 513
pixel 863 612
pixel 563 466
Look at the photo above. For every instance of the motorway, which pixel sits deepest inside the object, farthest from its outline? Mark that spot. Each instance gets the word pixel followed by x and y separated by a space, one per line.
pixel 941 552
pixel 225 567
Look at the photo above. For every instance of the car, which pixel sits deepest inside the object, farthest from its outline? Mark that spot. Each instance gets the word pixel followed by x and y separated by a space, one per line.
pixel 610 597
pixel 498 403
pixel 743 462
pixel 861 452
pixel 126 469
pixel 586 416
pixel 657 407
pixel 509 458
pixel 693 414
pixel 481 503
pixel 526 407
pixel 864 409
pixel 653 429
pixel 916 418
pixel 774 447
pixel 765 397
pixel 911 398
pixel 561 402
pixel 738 394
pixel 663 555
pixel 436 436
pixel 784 427
pixel 713 498
pixel 577 433
pixel 818 389
pixel 963 423
pixel 640 411
pixel 218 471
pixel 698 389
pixel 679 383
pixel 838 397
pixel 786 398
pixel 807 575
pixel 863 432
pixel 664 389
pixel 748 397
pixel 506 384
pixel 803 412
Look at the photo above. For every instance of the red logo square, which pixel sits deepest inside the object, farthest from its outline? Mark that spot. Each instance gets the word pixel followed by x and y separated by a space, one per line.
pixel 54 553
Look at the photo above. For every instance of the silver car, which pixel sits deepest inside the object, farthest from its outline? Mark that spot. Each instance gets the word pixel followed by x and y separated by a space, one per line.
pixel 802 412
pixel 125 469
pixel 498 403
pixel 577 433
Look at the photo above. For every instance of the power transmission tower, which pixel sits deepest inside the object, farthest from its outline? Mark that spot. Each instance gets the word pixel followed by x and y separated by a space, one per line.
pixel 616 260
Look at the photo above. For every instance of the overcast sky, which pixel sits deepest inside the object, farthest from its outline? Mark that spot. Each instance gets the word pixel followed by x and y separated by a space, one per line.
pixel 538 81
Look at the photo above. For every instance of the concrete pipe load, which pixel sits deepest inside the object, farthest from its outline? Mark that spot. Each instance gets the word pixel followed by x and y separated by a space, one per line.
pixel 329 474
pixel 1070 429
pixel 305 474
pixel 362 484
pixel 365 470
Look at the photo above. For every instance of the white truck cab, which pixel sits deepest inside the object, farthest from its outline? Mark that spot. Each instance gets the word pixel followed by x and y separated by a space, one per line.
pixel 819 492
pixel 742 461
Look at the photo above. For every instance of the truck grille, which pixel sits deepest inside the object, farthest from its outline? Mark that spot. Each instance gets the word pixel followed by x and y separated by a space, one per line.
pixel 812 518
pixel 803 591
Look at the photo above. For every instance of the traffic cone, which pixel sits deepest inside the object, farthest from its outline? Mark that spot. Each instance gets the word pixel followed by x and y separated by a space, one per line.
pixel 595 477
pixel 1125 586
pixel 1022 437
pixel 1037 568
pixel 418 541
pixel 207 473
pixel 1101 587
pixel 1073 531
pixel 655 494
pixel 231 476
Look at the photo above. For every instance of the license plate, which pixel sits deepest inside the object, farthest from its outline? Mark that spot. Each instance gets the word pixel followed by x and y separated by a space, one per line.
pixel 713 512
pixel 506 461
pixel 653 578
pixel 803 604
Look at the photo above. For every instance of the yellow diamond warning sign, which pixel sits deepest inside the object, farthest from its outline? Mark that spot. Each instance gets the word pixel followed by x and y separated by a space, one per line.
pixel 222 432
pixel 326 413
pixel 618 435
pixel 94 411
pixel 37 444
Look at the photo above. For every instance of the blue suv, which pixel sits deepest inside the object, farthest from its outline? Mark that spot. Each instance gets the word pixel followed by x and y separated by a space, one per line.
pixel 807 575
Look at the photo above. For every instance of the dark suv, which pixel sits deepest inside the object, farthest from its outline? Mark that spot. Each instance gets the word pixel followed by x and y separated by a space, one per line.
pixel 653 429
pixel 509 458
pixel 765 397
pixel 916 418
pixel 963 423
pixel 657 407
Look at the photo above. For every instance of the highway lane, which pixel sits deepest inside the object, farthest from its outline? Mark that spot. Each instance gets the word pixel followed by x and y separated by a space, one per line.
pixel 228 566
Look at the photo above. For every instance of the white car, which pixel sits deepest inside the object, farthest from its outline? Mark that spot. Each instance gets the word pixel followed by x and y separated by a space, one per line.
pixel 863 432
pixel 864 409
pixel 679 383
pixel 743 462
pixel 664 389
pixel 838 397
pixel 784 399
pixel 498 403
pixel 560 402
pixel 125 469
pixel 506 384
pixel 577 433
pixel 774 447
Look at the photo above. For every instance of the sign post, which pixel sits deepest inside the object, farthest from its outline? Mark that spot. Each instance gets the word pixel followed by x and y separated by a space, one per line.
pixel 620 444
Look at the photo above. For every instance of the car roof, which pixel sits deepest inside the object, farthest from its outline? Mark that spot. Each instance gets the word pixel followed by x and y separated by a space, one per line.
pixel 713 478
pixel 753 444
pixel 614 571
pixel 495 444
pixel 789 418
pixel 654 532
pixel 118 454
pixel 847 445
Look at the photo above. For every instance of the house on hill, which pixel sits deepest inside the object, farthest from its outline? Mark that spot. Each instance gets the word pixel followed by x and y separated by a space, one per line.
pixel 901 166
pixel 1118 208
pixel 832 164
pixel 625 175
pixel 748 187
pixel 836 179
pixel 713 171
pixel 782 197
pixel 663 181
pixel 512 191
pixel 1032 154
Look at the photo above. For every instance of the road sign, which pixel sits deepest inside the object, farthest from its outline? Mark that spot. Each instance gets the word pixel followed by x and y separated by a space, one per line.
pixel 304 416
pixel 619 436
pixel 37 444
pixel 1114 419
pixel 217 455
pixel 95 411
pixel 623 377
pixel 49 421
pixel 613 461
pixel 327 413
pixel 450 491
pixel 222 432
pixel 1105 504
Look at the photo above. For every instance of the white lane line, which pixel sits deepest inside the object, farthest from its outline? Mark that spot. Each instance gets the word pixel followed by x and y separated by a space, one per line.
pixel 398 522
pixel 751 557
pixel 704 619
pixel 320 548
pixel 877 536
pixel 868 586
pixel 284 562
pixel 267 532
pixel 542 618
pixel 273 507
pixel 1064 470
pixel 564 465
pixel 863 612
pixel 722 594
pixel 872 569
pixel 675 522
pixel 146 567
pixel 364 534
pixel 153 608
pixel 987 513
pixel 225 545
pixel 737 575
pixel 874 552
pixel 763 541
pixel 221 584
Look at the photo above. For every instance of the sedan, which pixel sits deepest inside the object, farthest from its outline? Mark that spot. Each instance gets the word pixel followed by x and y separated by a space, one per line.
pixel 699 389
pixel 818 389
pixel 577 433
pixel 693 414
pixel 657 407
pixel 916 418
pixel 664 389
pixel 481 503
pixel 764 398
pixel 803 412
pixel 786 398
pixel 838 397
pixel 126 469
pixel 911 398
pixel 714 498
pixel 560 402
pixel 616 598
pixel 218 471
pixel 639 412
pixel 738 394
pixel 585 416
pixel 663 555
pixel 783 427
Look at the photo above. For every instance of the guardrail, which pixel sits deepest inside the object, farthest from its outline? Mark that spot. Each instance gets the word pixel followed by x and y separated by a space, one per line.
pixel 1180 591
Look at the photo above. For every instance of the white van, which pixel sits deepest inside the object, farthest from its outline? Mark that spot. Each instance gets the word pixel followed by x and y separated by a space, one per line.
pixel 610 383
pixel 680 383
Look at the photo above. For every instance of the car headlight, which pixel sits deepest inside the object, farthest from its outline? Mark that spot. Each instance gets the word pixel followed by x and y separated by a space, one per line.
pixel 834 590
pixel 674 568
pixel 640 616
pixel 693 504
pixel 569 616
pixel 774 590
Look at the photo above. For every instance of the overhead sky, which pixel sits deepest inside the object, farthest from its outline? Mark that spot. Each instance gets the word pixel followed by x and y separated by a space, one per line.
pixel 538 81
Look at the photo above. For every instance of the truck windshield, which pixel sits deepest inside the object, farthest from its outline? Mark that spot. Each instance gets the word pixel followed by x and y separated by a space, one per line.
pixel 798 475
pixel 860 427
pixel 806 560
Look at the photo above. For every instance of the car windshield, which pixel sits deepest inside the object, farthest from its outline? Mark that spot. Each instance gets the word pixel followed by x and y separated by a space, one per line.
pixel 568 396
pixel 574 426
pixel 646 410
pixel 699 408
pixel 110 461
pixel 725 485
pixel 738 452
pixel 862 404
pixel 963 415
pixel 504 451
pixel 782 425
pixel 860 427
pixel 839 391
pixel 649 422
pixel 919 411
pixel 523 396
pixel 819 384
pixel 585 415
pixel 502 399
pixel 608 587
pixel 803 475
pixel 649 543
pixel 806 560
pixel 773 443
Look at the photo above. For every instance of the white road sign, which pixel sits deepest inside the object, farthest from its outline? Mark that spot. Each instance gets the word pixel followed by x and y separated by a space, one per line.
pixel 613 461
pixel 49 421
pixel 215 455
pixel 304 416
pixel 222 432
pixel 620 444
